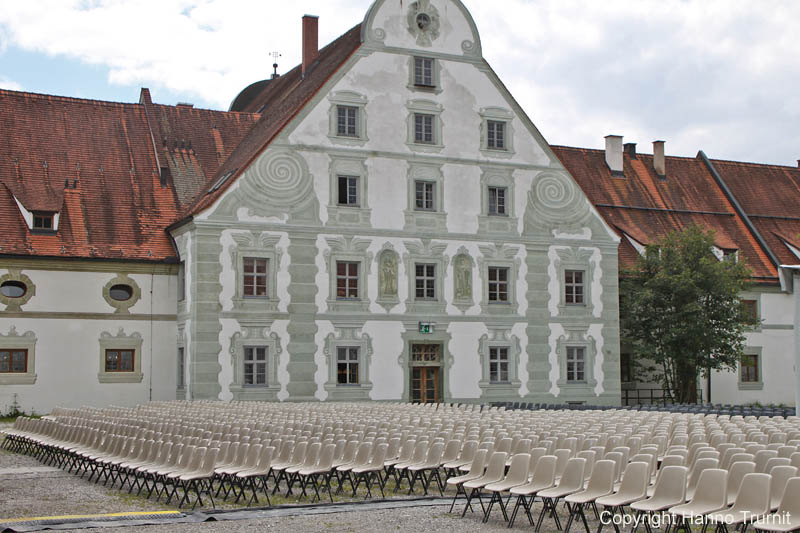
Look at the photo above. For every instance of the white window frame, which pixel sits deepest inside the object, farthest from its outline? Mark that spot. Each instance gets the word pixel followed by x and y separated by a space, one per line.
pixel 425 107
pixel 435 279
pixel 246 249
pixel 254 348
pixel 497 114
pixel 752 385
pixel 347 351
pixel 249 337
pixel 348 99
pixel 435 88
pixel 495 223
pixel 121 341
pixel 574 285
pixel 499 337
pixel 498 360
pixel 346 336
pixel 15 341
pixel 576 351
pixel 349 215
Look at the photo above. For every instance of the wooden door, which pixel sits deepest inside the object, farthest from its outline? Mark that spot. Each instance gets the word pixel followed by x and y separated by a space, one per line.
pixel 425 384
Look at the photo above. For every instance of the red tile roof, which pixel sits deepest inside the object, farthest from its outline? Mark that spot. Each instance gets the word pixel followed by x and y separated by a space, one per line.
pixel 647 207
pixel 94 162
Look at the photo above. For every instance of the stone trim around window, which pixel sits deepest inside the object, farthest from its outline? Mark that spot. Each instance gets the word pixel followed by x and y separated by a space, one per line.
pixel 500 338
pixel 756 297
pixel 436 88
pixel 354 250
pixel 426 107
pixel 503 256
pixel 15 304
pixel 752 385
pixel 263 247
pixel 122 307
pixel 575 259
pixel 429 253
pixel 423 220
pixel 352 99
pixel 498 114
pixel 255 336
pixel 344 215
pixel 121 341
pixel 576 337
pixel 348 336
pixel 26 341
pixel 497 224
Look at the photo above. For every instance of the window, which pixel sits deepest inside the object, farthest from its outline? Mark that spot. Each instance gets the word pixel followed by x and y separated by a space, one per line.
pixel 573 287
pixel 43 221
pixel 423 72
pixel 750 370
pixel 348 191
pixel 498 284
pixel 121 292
pixel 750 310
pixel 495 135
pixel 120 360
pixel 425 281
pixel 425 195
pixel 13 289
pixel 576 363
pixel 255 277
pixel 182 281
pixel 424 128
pixel 13 361
pixel 347 365
pixel 347 121
pixel 255 365
pixel 498 364
pixel 625 370
pixel 347 280
pixel 497 201
pixel 181 367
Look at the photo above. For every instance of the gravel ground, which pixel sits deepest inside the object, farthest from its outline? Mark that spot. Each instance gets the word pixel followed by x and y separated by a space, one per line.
pixel 59 493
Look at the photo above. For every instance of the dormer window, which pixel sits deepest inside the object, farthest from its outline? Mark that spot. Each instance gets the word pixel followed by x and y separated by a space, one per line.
pixel 43 221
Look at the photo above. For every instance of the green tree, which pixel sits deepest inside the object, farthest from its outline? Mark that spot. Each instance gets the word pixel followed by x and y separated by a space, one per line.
pixel 680 308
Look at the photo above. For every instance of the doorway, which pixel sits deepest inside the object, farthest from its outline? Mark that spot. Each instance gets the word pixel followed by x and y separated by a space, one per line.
pixel 425 375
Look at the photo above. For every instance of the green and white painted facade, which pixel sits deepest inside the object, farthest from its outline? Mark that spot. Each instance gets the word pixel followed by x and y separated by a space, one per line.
pixel 284 208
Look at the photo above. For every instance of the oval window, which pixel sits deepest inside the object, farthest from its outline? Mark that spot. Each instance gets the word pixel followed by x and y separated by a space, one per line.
pixel 13 289
pixel 121 293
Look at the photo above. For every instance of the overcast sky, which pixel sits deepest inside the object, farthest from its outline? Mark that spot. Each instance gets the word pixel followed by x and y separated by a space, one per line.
pixel 716 75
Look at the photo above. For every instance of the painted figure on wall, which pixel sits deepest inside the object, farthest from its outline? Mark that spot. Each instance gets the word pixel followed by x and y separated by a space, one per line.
pixel 388 275
pixel 463 278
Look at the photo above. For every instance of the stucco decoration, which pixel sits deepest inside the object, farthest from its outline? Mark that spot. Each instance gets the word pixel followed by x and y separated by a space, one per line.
pixel 15 304
pixel 15 341
pixel 348 337
pixel 255 336
pixel 388 277
pixel 279 182
pixel 423 22
pixel 462 279
pixel 555 202
pixel 122 306
pixel 499 337
pixel 121 341
pixel 348 249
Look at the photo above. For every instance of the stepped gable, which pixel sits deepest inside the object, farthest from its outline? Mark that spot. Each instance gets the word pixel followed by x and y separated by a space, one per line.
pixel 646 207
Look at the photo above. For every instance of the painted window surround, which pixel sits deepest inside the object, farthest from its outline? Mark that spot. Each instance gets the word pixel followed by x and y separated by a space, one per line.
pixel 351 99
pixel 498 114
pixel 427 107
pixel 266 248
pixel 500 337
pixel 255 336
pixel 575 259
pixel 341 215
pixel 425 221
pixel 122 307
pixel 353 250
pixel 752 385
pixel 345 336
pixel 576 336
pixel 26 341
pixel 497 224
pixel 503 256
pixel 120 341
pixel 425 252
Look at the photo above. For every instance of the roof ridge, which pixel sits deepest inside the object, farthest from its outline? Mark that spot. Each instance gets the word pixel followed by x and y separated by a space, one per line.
pixel 601 151
pixel 72 99
pixel 754 164
pixel 205 109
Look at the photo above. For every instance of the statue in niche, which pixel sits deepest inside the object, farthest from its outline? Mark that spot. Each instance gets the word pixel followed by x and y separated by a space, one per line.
pixel 388 275
pixel 463 278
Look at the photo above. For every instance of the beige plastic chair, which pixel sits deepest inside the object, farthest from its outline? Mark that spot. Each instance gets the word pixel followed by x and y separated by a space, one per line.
pixel 633 488
pixel 780 476
pixel 762 456
pixel 371 471
pixel 752 502
pixel 544 477
pixel 571 481
pixel 476 470
pixel 517 475
pixel 694 474
pixel 601 484
pixel 464 458
pixel 257 476
pixel 431 464
pixel 494 473
pixel 711 496
pixel 795 459
pixel 788 516
pixel 736 473
pixel 670 490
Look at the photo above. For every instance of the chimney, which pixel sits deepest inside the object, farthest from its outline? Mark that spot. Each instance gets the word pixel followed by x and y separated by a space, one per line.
pixel 614 154
pixel 630 149
pixel 310 41
pixel 659 161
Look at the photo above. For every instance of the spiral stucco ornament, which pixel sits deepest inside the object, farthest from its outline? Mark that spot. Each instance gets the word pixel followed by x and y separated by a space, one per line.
pixel 556 201
pixel 279 179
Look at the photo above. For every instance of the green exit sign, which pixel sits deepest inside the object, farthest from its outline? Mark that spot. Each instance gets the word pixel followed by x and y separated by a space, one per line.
pixel 425 327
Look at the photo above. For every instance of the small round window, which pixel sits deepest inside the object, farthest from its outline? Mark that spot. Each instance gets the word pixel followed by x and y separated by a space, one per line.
pixel 13 289
pixel 121 293
pixel 423 21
